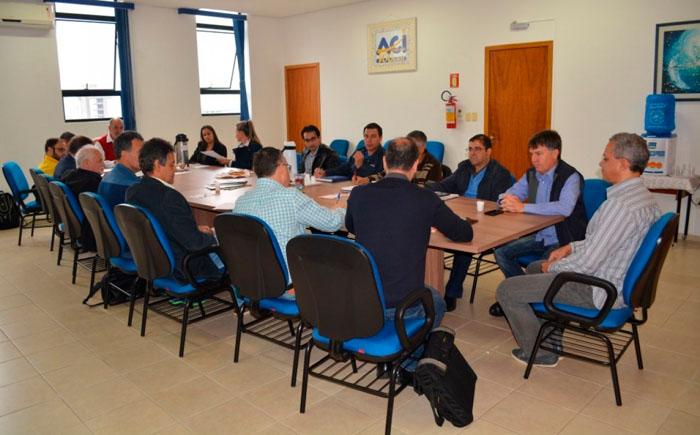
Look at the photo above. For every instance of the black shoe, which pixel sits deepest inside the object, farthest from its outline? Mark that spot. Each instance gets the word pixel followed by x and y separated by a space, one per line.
pixel 495 310
pixel 450 303
pixel 405 377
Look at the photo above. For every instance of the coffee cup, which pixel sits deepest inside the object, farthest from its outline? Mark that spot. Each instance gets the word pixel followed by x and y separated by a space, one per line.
pixel 480 206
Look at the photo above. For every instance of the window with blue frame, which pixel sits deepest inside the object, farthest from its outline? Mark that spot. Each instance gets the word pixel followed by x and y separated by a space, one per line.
pixel 88 60
pixel 219 81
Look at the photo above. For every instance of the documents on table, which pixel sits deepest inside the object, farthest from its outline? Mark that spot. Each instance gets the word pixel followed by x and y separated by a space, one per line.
pixel 228 184
pixel 213 154
pixel 224 206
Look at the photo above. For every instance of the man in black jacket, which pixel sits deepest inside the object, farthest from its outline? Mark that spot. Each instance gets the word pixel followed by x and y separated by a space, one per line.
pixel 155 192
pixel 478 177
pixel 316 154
pixel 392 218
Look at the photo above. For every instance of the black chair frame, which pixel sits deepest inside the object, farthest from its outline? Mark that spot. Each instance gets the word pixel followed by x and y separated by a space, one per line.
pixel 475 268
pixel 587 339
pixel 340 367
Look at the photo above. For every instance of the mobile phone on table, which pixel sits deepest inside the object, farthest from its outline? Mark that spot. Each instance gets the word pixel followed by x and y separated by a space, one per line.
pixel 495 212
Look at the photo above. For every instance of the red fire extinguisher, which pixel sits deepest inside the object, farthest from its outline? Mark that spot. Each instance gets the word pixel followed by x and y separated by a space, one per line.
pixel 450 109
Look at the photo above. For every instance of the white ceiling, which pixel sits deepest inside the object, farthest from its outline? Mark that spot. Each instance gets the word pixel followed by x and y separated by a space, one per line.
pixel 265 8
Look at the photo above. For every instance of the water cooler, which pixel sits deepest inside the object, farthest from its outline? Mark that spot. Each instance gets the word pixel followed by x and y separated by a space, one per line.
pixel 659 123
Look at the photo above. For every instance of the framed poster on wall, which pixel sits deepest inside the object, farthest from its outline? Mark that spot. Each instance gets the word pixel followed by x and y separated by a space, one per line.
pixel 677 63
pixel 391 46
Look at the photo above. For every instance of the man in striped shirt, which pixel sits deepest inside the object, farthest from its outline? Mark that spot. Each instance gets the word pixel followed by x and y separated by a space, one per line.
pixel 612 239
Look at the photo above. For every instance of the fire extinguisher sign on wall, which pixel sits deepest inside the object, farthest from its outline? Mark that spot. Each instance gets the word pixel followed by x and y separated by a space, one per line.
pixel 450 109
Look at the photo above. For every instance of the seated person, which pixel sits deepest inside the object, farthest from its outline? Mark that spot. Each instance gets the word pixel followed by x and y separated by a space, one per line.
pixel 106 141
pixel 392 218
pixel 115 182
pixel 429 168
pixel 612 238
pixel 67 162
pixel 285 209
pixel 550 187
pixel 54 149
pixel 480 177
pixel 248 145
pixel 316 154
pixel 366 164
pixel 86 178
pixel 209 142
pixel 155 192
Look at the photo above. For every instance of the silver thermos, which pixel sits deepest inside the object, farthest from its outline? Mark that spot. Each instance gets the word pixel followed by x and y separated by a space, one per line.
pixel 182 157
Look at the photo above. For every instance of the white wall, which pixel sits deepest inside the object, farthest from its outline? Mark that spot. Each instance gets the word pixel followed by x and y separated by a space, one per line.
pixel 603 69
pixel 166 86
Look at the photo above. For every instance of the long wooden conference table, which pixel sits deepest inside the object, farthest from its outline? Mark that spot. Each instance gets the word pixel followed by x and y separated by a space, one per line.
pixel 489 231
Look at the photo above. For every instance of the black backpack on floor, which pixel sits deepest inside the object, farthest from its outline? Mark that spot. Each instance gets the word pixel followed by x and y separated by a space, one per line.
pixel 446 379
pixel 9 212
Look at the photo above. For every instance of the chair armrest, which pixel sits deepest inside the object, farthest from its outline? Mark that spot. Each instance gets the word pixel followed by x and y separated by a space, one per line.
pixel 423 296
pixel 566 277
pixel 191 277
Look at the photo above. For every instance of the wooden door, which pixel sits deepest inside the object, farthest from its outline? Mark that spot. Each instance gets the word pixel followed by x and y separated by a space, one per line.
pixel 303 99
pixel 517 99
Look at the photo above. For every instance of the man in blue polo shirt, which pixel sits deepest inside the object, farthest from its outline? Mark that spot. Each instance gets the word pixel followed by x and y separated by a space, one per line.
pixel 478 177
pixel 113 187
pixel 366 164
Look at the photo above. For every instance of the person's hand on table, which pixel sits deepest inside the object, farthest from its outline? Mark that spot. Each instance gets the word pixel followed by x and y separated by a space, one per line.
pixel 205 229
pixel 359 180
pixel 512 204
pixel 318 172
pixel 224 161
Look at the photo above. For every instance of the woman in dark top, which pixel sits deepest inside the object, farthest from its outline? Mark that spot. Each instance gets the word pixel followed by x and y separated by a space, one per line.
pixel 210 142
pixel 249 145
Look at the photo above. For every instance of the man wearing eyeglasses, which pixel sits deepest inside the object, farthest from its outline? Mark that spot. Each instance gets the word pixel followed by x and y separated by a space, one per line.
pixel 316 154
pixel 285 209
pixel 478 177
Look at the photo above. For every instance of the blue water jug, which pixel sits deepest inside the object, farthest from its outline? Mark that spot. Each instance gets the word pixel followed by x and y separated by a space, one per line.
pixel 660 115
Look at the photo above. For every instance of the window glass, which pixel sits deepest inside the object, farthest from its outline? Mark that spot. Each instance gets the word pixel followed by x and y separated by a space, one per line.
pixel 220 104
pixel 83 10
pixel 82 108
pixel 216 53
pixel 86 62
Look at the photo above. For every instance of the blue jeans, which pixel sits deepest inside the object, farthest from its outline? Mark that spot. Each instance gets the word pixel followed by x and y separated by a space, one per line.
pixel 507 255
pixel 417 311
pixel 460 267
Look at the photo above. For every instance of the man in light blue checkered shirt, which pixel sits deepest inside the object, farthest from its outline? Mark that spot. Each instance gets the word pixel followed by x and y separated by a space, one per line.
pixel 286 210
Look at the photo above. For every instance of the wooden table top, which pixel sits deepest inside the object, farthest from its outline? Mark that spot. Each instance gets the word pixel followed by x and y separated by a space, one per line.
pixel 489 231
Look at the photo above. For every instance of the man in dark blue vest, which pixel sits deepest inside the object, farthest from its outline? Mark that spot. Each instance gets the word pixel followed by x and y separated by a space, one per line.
pixel 550 187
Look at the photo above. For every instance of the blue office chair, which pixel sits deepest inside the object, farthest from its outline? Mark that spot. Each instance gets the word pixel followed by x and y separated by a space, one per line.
pixel 20 192
pixel 386 144
pixel 360 145
pixel 437 149
pixel 341 146
pixel 339 293
pixel 588 326
pixel 72 218
pixel 594 194
pixel 111 245
pixel 155 264
pixel 257 269
pixel 42 185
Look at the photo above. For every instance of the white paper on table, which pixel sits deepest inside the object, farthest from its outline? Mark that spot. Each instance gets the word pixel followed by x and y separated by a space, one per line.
pixel 227 206
pixel 347 188
pixel 331 196
pixel 213 154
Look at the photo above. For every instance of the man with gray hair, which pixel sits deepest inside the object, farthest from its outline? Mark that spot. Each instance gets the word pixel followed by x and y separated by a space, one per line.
pixel 612 238
pixel 86 177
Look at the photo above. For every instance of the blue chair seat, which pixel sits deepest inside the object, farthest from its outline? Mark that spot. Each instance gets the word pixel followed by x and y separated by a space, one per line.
pixel 525 260
pixel 615 319
pixel 284 306
pixel 384 344
pixel 32 206
pixel 124 262
pixel 174 286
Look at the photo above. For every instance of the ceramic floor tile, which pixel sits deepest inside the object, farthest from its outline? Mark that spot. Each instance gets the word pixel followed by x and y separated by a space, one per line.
pixel 581 425
pixel 49 339
pixel 50 417
pixel 680 423
pixel 247 375
pixel 689 401
pixel 556 387
pixel 635 414
pixel 189 398
pixel 59 357
pixel 99 399
pixel 134 357
pixel 16 370
pixel 329 416
pixel 279 400
pixel 8 351
pixel 81 374
pixel 526 415
pixel 233 417
pixel 23 394
pixel 162 375
pixel 139 417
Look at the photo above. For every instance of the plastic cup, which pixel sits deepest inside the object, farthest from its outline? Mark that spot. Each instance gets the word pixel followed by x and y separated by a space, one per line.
pixel 480 206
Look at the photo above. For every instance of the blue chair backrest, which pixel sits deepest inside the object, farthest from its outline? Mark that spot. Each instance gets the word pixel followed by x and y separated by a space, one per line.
pixel 386 144
pixel 72 201
pixel 360 145
pixel 111 220
pixel 437 149
pixel 16 180
pixel 340 146
pixel 640 262
pixel 147 241
pixel 594 194
pixel 338 286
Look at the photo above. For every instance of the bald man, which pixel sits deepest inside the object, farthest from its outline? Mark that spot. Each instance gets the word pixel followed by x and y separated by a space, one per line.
pixel 106 142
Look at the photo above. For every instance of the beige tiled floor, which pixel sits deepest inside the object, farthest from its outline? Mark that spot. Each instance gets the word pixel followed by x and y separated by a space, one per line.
pixel 66 368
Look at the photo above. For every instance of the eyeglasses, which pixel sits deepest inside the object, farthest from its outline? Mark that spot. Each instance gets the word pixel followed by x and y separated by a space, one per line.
pixel 311 139
pixel 289 167
pixel 475 149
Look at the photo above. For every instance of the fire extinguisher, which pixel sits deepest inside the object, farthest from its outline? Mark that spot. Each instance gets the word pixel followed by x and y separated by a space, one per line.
pixel 450 109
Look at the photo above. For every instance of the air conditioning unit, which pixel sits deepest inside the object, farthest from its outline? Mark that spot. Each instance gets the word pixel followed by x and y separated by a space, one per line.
pixel 26 15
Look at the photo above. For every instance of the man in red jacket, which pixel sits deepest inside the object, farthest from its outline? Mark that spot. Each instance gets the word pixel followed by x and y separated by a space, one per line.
pixel 106 142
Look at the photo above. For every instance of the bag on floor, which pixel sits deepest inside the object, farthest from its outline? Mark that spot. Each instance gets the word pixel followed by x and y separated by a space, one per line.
pixel 110 294
pixel 446 379
pixel 9 212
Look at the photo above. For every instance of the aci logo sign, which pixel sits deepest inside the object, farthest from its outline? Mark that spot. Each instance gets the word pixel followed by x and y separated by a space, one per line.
pixel 391 47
